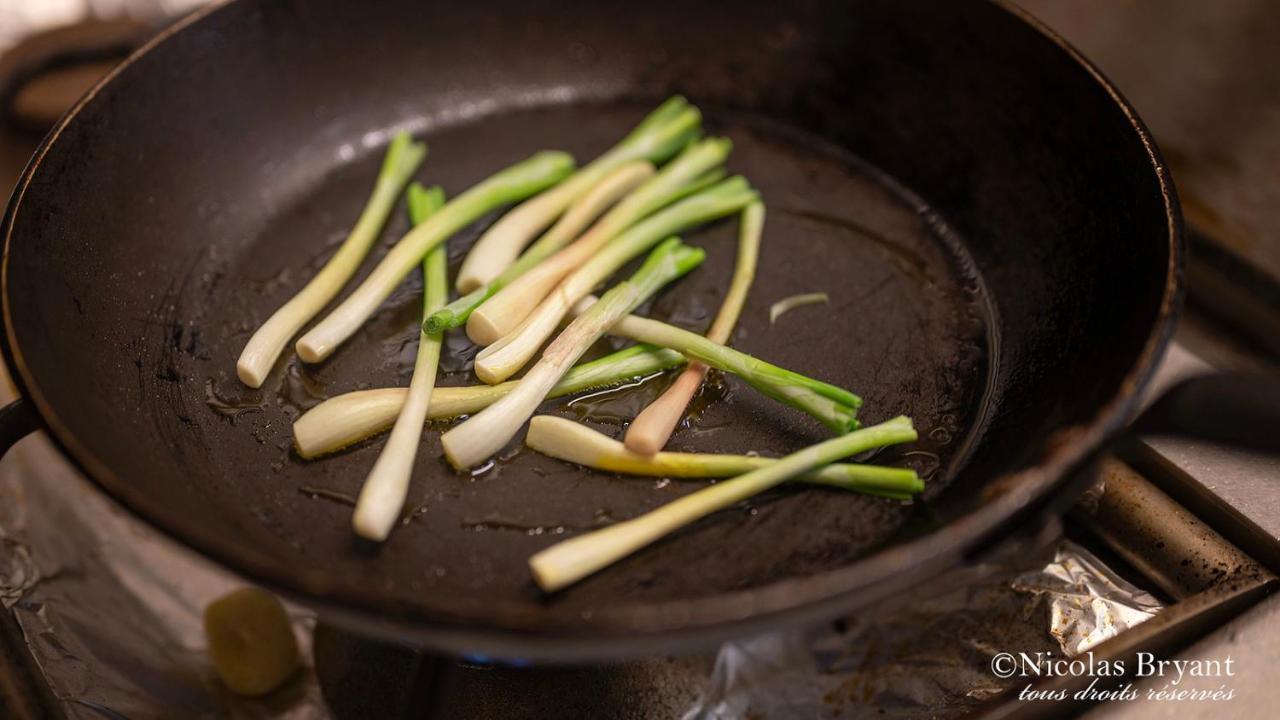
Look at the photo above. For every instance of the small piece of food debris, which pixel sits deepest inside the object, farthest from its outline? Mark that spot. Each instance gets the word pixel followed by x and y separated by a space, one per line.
pixel 250 641
pixel 788 304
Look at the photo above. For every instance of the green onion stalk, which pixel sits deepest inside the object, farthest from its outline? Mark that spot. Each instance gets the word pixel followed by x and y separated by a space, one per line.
pixel 383 493
pixel 569 561
pixel 513 183
pixel 484 434
pixel 403 158
pixel 662 134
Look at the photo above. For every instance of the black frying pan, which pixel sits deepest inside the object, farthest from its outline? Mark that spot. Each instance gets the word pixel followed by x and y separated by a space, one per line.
pixel 999 237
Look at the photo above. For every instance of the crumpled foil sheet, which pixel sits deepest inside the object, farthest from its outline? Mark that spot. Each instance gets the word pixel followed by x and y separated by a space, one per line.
pixel 1088 602
pixel 111 611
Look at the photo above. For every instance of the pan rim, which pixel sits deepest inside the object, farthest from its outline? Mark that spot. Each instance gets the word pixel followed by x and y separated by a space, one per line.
pixel 670 624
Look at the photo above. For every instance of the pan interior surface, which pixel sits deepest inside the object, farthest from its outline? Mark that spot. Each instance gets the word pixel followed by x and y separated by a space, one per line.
pixel 996 237
pixel 906 328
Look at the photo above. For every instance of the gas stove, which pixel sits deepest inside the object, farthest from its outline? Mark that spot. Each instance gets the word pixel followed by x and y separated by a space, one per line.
pixel 1169 558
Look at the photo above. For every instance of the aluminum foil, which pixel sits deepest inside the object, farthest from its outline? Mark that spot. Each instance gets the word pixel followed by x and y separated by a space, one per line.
pixel 1088 602
pixel 111 611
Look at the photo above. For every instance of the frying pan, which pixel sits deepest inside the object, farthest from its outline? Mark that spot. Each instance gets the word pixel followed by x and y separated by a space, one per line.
pixel 997 232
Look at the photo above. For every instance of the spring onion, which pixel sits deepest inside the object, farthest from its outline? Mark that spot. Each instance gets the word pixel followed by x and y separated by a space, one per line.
pixel 382 496
pixel 503 312
pixel 659 136
pixel 264 347
pixel 788 304
pixel 834 407
pixel 508 185
pixel 485 433
pixel 351 417
pixel 505 357
pixel 651 429
pixel 567 562
pixel 576 443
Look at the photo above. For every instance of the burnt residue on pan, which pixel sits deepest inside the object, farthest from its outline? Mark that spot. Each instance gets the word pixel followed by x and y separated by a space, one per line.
pixel 907 328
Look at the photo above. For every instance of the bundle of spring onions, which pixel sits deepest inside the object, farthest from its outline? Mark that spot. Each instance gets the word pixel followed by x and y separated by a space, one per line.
pixel 659 136
pixel 660 180
pixel 529 280
pixel 477 439
pixel 509 354
pixel 671 125
pixel 347 419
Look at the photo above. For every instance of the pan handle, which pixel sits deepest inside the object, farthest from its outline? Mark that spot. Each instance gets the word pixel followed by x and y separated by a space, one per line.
pixel 1239 409
pixel 18 419
pixel 71 57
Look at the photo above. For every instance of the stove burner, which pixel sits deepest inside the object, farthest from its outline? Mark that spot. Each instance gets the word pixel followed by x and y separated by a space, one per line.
pixel 364 678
